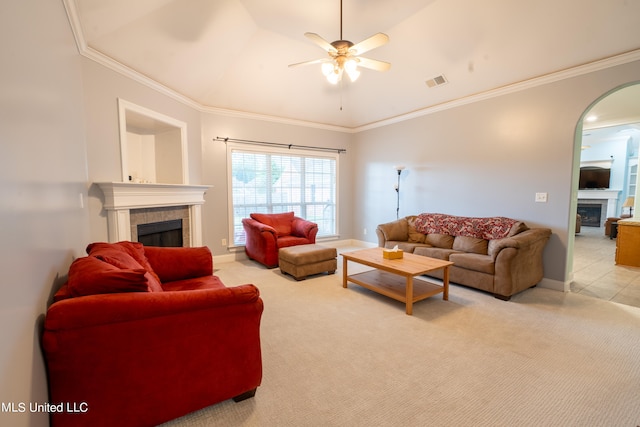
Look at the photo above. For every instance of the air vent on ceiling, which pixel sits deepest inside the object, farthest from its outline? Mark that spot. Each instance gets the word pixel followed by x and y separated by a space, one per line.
pixel 437 81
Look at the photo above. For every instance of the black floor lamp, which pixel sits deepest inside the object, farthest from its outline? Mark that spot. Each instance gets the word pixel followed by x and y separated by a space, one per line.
pixel 399 168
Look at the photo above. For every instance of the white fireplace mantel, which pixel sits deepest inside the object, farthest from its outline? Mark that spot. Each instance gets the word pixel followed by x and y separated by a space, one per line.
pixel 609 199
pixel 121 197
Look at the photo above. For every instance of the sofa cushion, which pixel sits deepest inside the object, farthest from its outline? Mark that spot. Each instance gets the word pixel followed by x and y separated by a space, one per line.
pixel 179 263
pixel 120 255
pixel 405 246
pixel 135 249
pixel 439 253
pixel 470 244
pixel 517 228
pixel 286 241
pixel 475 262
pixel 281 222
pixel 440 240
pixel 90 276
pixel 204 282
pixel 414 235
pixel 495 246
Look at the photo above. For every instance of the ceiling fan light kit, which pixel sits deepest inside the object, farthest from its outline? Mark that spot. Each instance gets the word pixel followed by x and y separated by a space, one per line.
pixel 343 55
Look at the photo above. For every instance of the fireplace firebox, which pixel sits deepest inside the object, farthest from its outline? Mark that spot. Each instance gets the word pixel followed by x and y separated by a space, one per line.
pixel 591 215
pixel 163 233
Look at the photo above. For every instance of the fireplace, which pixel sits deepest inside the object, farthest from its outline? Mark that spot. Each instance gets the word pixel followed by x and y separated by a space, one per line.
pixel 131 204
pixel 591 215
pixel 606 201
pixel 167 219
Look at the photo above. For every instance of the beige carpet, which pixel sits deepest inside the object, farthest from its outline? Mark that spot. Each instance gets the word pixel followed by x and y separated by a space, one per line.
pixel 350 357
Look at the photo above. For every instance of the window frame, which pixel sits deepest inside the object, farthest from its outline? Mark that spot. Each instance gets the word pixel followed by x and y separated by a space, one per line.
pixel 247 148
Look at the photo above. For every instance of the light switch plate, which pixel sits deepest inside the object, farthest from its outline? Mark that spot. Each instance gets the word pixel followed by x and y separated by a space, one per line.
pixel 541 197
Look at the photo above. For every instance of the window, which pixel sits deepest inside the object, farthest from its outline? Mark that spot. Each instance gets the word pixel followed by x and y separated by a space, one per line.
pixel 275 182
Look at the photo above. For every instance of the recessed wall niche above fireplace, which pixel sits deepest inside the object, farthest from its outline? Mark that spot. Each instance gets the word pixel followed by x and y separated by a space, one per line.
pixel 153 146
pixel 155 177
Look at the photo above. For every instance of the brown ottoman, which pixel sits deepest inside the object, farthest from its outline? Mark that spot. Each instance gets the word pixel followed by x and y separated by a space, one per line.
pixel 304 260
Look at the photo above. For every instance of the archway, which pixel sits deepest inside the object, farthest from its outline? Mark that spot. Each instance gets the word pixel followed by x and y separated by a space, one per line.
pixel 617 119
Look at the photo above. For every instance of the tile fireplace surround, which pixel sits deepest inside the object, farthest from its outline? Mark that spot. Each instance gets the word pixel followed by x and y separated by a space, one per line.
pixel 120 198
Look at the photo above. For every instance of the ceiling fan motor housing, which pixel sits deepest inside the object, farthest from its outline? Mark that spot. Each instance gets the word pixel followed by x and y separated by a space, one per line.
pixel 342 51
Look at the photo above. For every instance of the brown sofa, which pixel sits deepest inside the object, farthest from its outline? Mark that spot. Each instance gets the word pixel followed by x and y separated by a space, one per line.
pixel 497 255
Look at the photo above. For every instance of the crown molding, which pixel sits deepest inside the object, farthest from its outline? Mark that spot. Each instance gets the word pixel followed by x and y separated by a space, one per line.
pixel 602 64
pixel 90 53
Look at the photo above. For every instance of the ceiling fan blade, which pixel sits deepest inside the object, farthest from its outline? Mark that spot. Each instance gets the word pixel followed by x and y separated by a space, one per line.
pixel 372 42
pixel 314 61
pixel 373 64
pixel 325 45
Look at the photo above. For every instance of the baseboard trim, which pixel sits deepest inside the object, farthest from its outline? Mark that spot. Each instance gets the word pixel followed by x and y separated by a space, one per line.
pixel 556 285
pixel 235 256
pixel 240 255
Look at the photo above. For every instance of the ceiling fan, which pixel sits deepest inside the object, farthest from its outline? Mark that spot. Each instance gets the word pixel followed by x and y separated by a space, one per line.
pixel 344 55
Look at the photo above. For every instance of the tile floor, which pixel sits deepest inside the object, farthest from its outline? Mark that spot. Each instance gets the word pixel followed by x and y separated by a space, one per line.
pixel 595 271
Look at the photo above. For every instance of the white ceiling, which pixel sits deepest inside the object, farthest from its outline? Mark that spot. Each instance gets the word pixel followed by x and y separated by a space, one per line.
pixel 234 54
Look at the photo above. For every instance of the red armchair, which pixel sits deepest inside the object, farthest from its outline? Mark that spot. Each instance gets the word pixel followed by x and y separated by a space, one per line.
pixel 142 335
pixel 266 233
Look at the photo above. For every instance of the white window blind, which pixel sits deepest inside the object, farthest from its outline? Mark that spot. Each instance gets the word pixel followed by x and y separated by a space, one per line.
pixel 274 182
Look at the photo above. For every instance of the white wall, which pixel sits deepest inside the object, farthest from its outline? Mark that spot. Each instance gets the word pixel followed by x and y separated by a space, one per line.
pixel 168 155
pixel 102 88
pixel 141 154
pixel 43 186
pixel 484 159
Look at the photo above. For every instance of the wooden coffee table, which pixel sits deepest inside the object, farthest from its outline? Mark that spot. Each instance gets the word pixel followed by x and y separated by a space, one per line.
pixel 395 278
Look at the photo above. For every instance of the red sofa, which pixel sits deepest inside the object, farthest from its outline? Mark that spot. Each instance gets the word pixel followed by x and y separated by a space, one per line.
pixel 266 233
pixel 142 335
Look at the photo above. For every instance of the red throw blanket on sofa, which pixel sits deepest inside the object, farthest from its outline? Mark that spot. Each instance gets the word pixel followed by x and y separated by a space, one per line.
pixel 483 228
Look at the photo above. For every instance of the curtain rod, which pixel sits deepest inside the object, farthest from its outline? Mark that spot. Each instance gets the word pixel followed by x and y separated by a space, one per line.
pixel 276 144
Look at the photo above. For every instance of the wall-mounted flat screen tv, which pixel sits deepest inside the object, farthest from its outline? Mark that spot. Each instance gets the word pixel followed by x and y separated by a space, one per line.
pixel 594 177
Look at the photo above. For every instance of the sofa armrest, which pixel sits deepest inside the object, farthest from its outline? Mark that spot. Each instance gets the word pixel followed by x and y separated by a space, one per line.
pixel 302 228
pixel 146 358
pixel 396 230
pixel 251 225
pixel 521 240
pixel 518 261
pixel 172 264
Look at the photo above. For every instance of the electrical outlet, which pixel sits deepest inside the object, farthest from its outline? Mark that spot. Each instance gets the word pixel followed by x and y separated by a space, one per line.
pixel 224 242
pixel 541 197
pixel 364 231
